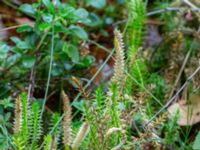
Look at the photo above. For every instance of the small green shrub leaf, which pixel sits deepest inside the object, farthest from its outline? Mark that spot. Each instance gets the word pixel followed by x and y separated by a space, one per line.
pixel 28 61
pixel 79 105
pixel 196 145
pixel 86 62
pixel 24 28
pixel 47 18
pixel 21 44
pixel 79 32
pixel 94 20
pixel 49 5
pixel 28 9
pixel 71 51
pixel 3 50
pixel 44 26
pixel 66 11
pixel 82 13
pixel 6 103
pixel 97 3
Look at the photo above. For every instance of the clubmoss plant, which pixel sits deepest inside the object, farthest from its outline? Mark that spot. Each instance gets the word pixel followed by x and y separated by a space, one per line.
pixel 56 134
pixel 119 74
pixel 27 126
pixel 104 116
pixel 134 35
pixel 35 125
pixel 17 122
pixel 47 142
pixel 135 27
pixel 67 120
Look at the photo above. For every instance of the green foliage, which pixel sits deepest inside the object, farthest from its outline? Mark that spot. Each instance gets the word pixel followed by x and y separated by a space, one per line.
pixel 196 145
pixel 159 86
pixel 171 134
pixel 79 32
pixel 3 142
pixel 71 51
pixel 4 138
pixel 28 9
pixel 113 108
pixel 35 125
pixel 91 119
pixel 5 124
pixel 19 143
pixel 134 33
pixel 48 141
pixel 49 5
pixel 109 120
pixel 103 123
pixel 100 104
pixel 139 72
pixel 6 103
pixel 33 47
pixel 54 120
pixel 25 115
pixel 56 132
pixel 30 132
pixel 4 48
pixel 103 115
pixel 96 4
pixel 135 26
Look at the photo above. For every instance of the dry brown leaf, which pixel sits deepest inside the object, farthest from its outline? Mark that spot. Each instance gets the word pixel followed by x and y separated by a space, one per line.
pixel 189 114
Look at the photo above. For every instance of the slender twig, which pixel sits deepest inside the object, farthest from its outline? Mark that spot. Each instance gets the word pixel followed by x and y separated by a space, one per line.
pixel 174 97
pixel 167 9
pixel 190 4
pixel 50 70
pixel 85 87
pixel 31 83
pixel 180 72
pixel 32 77
pixel 160 11
pixel 144 88
pixel 182 67
pixel 16 26
pixel 42 40
pixel 10 4
pixel 100 46
pixel 94 76
pixel 135 80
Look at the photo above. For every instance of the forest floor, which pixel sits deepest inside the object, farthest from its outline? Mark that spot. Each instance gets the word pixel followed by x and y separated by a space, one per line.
pixel 63 52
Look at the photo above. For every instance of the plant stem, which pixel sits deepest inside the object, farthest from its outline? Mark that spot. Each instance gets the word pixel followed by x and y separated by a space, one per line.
pixel 157 100
pixel 180 72
pixel 94 76
pixel 174 97
pixel 79 94
pixel 16 26
pixel 144 88
pixel 50 69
